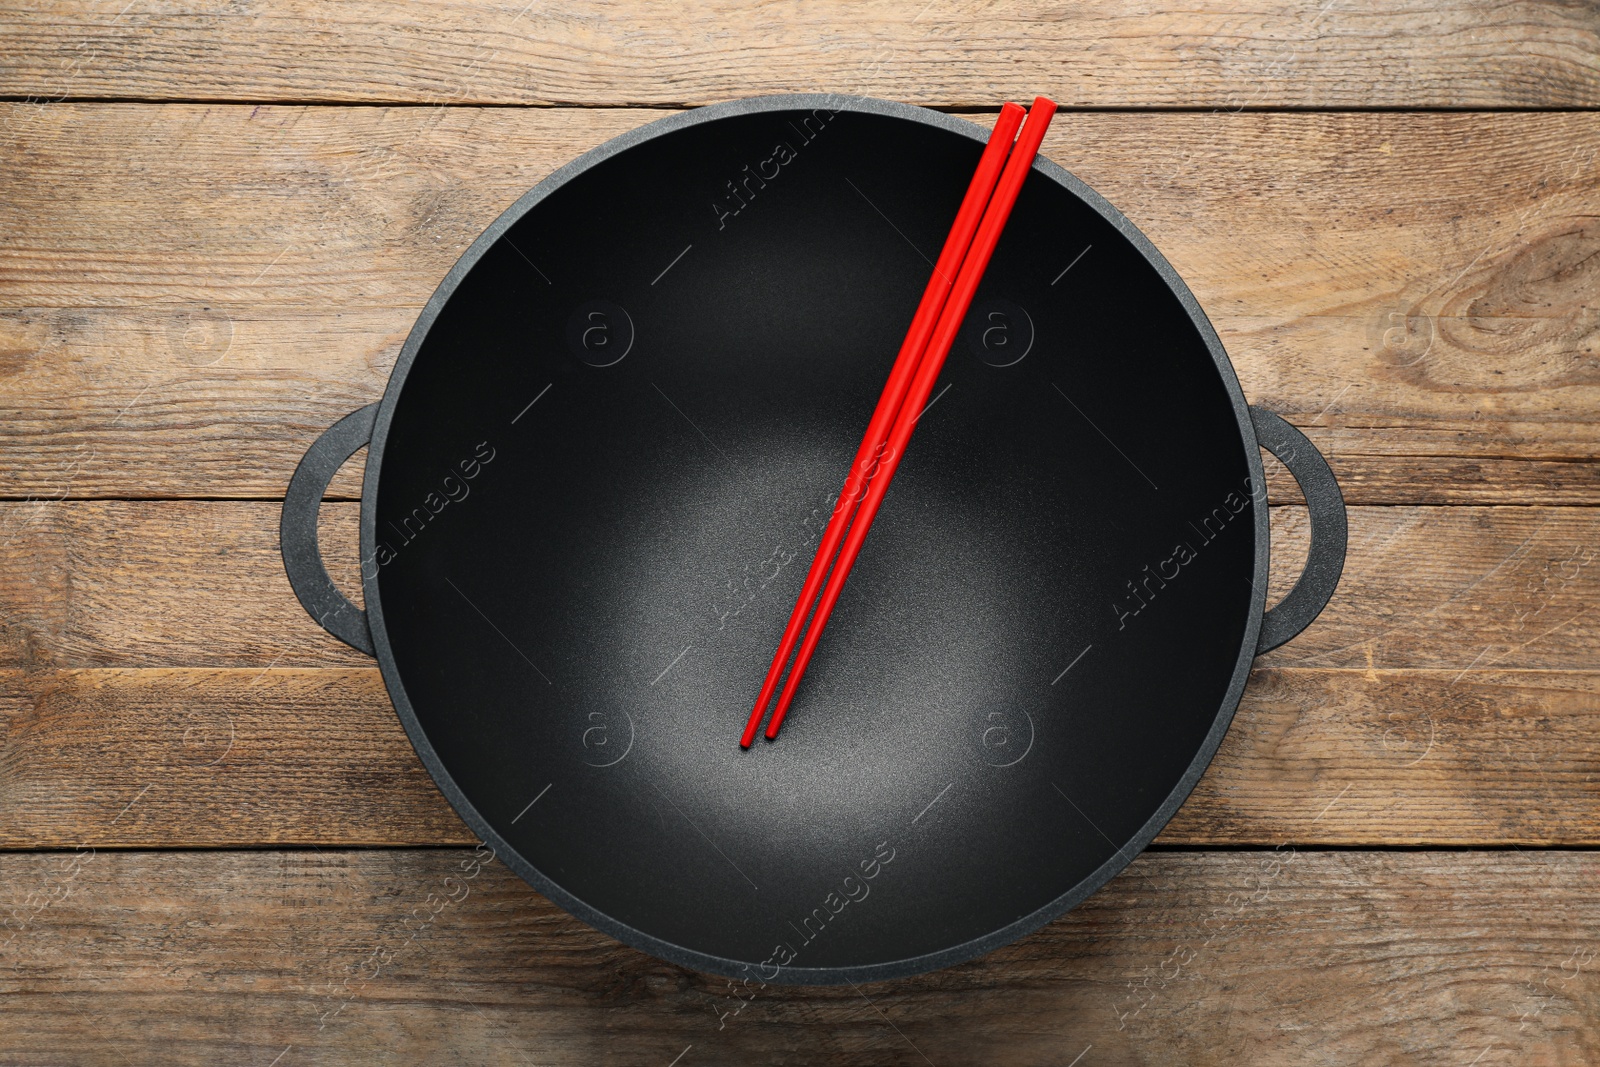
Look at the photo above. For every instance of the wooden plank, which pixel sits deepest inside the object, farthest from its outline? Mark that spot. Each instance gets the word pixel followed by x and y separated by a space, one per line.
pixel 1210 959
pixel 189 294
pixel 1403 758
pixel 155 584
pixel 230 758
pixel 201 584
pixel 1451 589
pixel 1098 53
pixel 211 758
pixel 146 628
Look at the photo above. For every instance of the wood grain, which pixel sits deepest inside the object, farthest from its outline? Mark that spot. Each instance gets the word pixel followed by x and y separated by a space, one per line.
pixel 323 957
pixel 188 294
pixel 243 758
pixel 152 629
pixel 211 758
pixel 1098 53
pixel 201 584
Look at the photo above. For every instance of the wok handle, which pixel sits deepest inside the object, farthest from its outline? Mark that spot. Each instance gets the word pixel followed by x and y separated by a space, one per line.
pixel 1330 530
pixel 297 529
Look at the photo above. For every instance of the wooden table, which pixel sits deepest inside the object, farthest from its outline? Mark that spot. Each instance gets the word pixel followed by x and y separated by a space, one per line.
pixel 220 220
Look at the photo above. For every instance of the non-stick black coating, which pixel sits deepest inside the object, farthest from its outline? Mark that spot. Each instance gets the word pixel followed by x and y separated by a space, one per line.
pixel 580 596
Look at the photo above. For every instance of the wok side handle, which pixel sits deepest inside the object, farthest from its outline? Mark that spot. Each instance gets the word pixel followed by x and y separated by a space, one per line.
pixel 297 529
pixel 1330 530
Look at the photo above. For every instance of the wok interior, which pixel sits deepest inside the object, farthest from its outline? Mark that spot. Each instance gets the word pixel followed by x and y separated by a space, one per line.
pixel 584 569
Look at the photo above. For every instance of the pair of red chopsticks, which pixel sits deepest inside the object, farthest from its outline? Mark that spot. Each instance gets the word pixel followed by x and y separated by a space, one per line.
pixel 979 222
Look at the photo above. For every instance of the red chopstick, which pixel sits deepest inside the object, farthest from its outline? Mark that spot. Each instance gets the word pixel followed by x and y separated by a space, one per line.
pixel 894 391
pixel 944 334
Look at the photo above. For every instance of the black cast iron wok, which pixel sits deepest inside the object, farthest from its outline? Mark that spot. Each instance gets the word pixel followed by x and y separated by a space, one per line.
pixel 598 472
